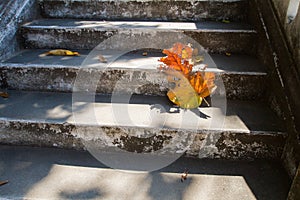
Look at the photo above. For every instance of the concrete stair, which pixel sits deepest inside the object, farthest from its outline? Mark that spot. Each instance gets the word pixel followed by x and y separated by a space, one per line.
pixel 120 113
pixel 240 77
pixel 65 33
pixel 247 130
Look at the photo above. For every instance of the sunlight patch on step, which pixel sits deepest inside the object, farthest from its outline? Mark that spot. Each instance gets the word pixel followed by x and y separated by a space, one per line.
pixel 136 24
pixel 144 115
pixel 83 182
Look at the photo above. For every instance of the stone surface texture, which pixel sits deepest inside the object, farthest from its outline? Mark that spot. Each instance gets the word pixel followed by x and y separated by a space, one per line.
pixel 12 14
pixel 146 10
pixel 214 36
pixel 242 76
pixel 276 53
pixel 295 188
pixel 66 121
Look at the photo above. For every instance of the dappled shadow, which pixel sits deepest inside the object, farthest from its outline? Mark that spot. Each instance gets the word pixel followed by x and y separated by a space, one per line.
pixel 66 174
pixel 30 169
pixel 267 179
pixel 37 106
pixel 167 187
pixel 90 194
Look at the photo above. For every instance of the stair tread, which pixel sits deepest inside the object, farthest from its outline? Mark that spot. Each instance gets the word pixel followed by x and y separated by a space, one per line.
pixel 39 169
pixel 143 111
pixel 244 64
pixel 146 25
pixel 82 34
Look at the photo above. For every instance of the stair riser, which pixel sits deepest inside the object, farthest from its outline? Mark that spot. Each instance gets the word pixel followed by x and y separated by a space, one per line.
pixel 146 10
pixel 229 145
pixel 150 82
pixel 214 41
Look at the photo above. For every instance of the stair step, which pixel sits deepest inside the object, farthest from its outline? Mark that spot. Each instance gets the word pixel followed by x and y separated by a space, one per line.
pixel 232 129
pixel 83 177
pixel 78 34
pixel 235 10
pixel 243 76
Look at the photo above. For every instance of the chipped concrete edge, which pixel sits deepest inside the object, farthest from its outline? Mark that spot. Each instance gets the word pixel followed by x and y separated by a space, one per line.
pixel 206 143
pixel 61 79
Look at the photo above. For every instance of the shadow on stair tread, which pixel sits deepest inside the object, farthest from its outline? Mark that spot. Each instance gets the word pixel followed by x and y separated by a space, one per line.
pixel 53 170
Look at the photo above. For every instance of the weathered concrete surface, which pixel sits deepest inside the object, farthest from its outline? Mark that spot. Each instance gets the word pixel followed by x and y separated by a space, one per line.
pixel 12 14
pixel 132 72
pixel 248 130
pixel 146 10
pixel 214 36
pixel 284 79
pixel 294 192
pixel 33 173
pixel 288 53
pixel 290 26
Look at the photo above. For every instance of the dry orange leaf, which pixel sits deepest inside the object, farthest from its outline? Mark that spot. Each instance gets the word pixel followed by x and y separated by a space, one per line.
pixel 190 87
pixel 174 62
pixel 182 50
pixel 4 94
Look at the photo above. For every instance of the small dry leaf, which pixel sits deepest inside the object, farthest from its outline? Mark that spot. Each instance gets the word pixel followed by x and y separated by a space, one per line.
pixel 145 54
pixel 225 21
pixel 184 175
pixel 4 94
pixel 228 54
pixel 102 59
pixel 199 59
pixel 3 182
pixel 195 52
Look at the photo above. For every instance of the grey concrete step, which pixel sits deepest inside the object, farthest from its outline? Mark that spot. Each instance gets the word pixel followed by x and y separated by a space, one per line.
pixel 234 10
pixel 243 76
pixel 142 124
pixel 41 173
pixel 79 34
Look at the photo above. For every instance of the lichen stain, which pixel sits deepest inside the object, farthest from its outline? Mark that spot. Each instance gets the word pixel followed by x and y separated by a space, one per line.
pixel 39 134
pixel 245 146
pixel 141 145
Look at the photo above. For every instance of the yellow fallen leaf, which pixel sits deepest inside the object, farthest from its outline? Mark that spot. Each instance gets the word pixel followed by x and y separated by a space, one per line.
pixel 62 52
pixel 189 87
pixel 184 54
pixel 102 59
pixel 183 94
